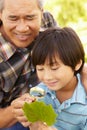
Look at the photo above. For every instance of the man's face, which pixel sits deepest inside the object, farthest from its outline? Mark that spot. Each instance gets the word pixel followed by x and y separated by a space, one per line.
pixel 21 21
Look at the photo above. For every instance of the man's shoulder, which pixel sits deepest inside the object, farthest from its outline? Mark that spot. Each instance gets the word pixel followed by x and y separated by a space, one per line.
pixel 6 49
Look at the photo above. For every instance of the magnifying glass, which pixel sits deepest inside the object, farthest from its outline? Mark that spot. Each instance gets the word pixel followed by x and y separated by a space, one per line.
pixel 37 92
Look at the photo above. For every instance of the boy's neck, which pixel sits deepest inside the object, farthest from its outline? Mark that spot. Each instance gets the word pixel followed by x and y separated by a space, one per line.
pixel 67 92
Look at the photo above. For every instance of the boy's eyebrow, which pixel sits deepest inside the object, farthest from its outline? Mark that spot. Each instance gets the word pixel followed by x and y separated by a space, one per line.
pixel 53 63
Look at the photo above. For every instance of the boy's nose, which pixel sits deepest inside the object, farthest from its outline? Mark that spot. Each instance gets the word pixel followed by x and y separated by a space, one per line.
pixel 47 75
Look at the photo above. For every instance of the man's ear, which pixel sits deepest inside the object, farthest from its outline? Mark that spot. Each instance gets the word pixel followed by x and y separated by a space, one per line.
pixel 78 65
pixel 0 18
pixel 0 15
pixel 42 10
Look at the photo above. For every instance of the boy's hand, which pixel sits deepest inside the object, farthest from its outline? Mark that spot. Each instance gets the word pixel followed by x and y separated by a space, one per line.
pixel 40 126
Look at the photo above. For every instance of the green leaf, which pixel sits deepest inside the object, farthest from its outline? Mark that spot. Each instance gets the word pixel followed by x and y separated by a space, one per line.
pixel 39 111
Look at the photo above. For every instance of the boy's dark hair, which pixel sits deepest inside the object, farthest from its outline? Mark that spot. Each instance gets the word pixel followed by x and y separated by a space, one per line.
pixel 63 42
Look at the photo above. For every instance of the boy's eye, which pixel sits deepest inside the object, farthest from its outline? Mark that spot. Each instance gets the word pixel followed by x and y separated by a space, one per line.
pixel 40 69
pixel 54 68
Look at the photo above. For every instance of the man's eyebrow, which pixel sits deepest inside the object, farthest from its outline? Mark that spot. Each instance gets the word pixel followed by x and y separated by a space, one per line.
pixel 31 16
pixel 14 15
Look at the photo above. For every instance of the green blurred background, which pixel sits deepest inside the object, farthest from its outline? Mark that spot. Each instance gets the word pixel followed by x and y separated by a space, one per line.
pixel 72 13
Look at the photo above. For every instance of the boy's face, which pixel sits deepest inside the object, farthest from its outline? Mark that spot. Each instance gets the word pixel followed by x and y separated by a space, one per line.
pixel 57 76
pixel 21 21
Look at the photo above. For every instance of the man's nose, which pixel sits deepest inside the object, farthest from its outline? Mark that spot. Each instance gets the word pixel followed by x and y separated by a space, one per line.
pixel 22 26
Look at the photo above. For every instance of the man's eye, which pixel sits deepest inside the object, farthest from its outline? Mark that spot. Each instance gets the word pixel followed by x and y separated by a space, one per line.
pixel 12 18
pixel 30 17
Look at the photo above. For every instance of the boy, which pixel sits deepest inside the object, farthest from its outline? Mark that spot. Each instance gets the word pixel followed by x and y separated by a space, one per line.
pixel 58 65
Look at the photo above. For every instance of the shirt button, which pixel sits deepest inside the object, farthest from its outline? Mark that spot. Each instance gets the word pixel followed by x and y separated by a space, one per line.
pixel 59 110
pixel 33 70
pixel 52 97
pixel 66 104
pixel 30 85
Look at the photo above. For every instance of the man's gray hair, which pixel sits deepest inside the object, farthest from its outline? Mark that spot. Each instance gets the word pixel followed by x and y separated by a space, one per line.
pixel 40 4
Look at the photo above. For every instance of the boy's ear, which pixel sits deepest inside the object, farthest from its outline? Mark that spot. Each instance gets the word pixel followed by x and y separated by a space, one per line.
pixel 78 65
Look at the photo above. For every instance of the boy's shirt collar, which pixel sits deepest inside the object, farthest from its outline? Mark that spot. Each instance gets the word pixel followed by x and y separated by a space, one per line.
pixel 79 95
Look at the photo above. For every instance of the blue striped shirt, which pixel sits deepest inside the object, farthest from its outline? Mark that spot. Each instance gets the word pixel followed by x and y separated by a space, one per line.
pixel 72 113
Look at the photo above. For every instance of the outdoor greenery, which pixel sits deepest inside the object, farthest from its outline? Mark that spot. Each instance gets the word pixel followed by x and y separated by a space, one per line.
pixel 71 13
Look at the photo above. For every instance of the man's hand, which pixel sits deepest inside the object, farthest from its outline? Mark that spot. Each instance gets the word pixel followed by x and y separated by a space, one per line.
pixel 17 111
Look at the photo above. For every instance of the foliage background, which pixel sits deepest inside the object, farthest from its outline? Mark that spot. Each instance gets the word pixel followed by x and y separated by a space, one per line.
pixel 71 13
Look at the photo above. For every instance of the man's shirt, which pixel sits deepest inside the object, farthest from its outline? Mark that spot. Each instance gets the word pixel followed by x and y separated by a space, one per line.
pixel 16 72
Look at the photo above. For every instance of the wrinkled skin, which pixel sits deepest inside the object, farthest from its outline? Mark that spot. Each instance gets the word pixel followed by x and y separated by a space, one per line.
pixel 17 106
pixel 21 21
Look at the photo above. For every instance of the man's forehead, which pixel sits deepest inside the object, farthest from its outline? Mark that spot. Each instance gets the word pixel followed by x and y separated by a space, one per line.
pixel 21 7
pixel 21 4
